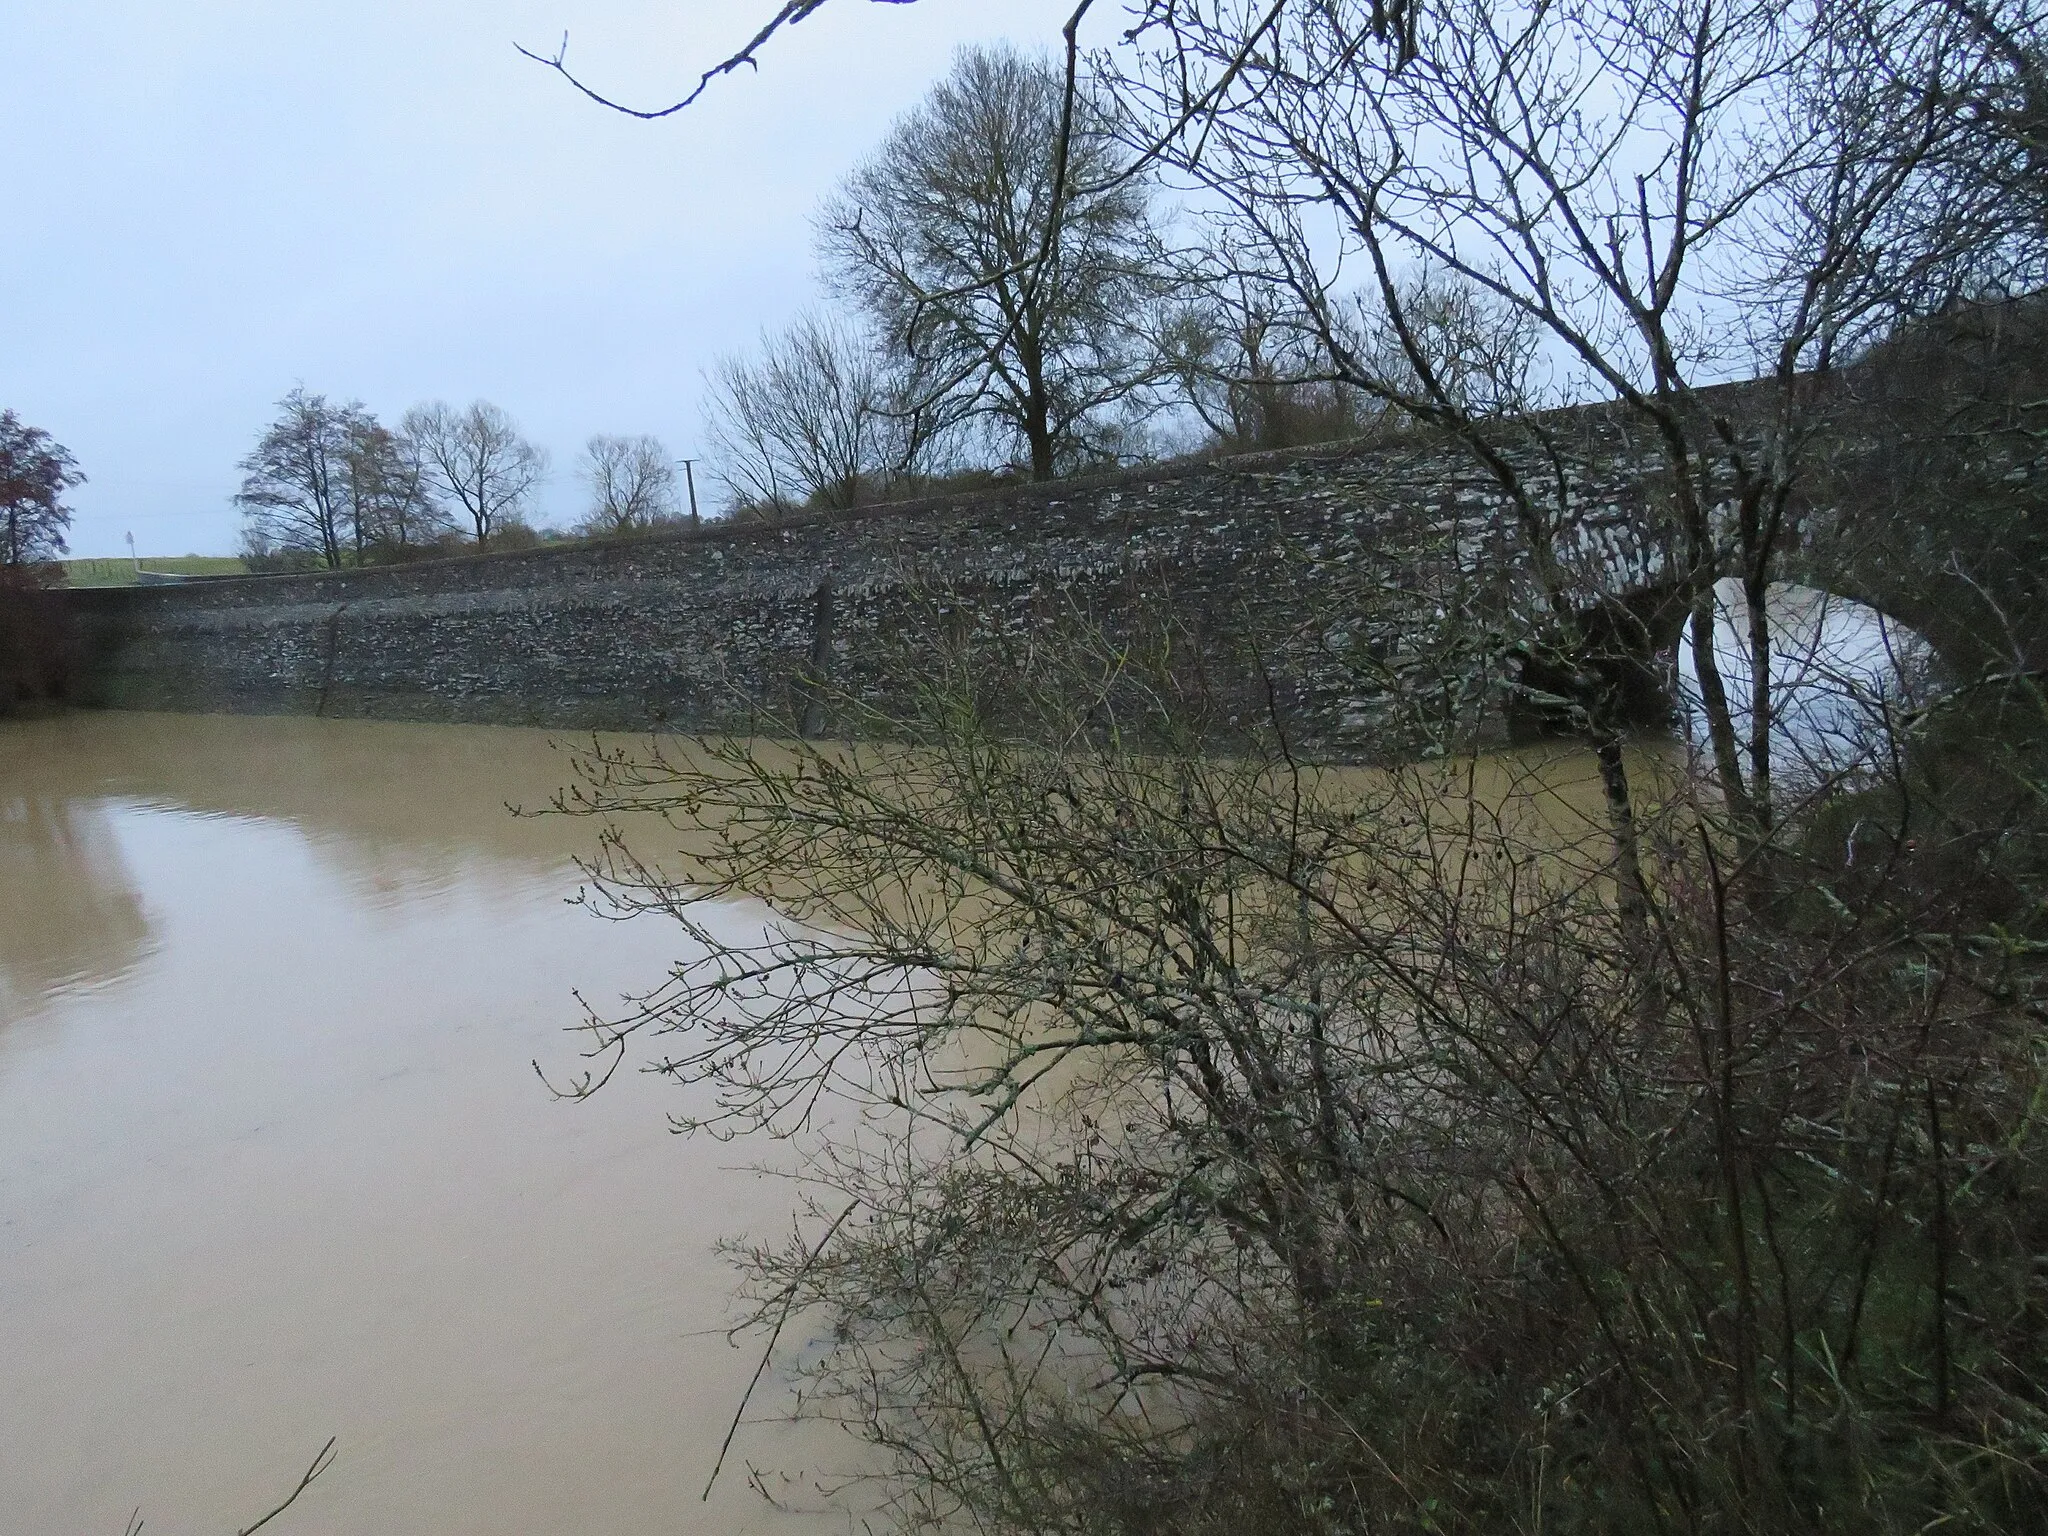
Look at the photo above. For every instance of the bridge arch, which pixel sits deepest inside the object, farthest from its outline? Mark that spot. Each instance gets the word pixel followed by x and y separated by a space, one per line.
pixel 1842 674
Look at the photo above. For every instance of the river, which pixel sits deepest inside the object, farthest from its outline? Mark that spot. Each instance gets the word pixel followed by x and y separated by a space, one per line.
pixel 275 1164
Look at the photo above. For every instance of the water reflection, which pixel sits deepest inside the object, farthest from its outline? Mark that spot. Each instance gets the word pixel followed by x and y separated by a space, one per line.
pixel 294 1175
pixel 70 915
pixel 415 793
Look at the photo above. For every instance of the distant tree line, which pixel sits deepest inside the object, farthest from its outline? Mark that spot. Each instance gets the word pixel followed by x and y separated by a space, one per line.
pixel 1051 266
pixel 1015 291
pixel 1016 297
pixel 328 485
pixel 1011 296
pixel 1012 300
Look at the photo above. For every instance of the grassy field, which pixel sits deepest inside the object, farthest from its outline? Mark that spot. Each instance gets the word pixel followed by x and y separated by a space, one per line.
pixel 121 572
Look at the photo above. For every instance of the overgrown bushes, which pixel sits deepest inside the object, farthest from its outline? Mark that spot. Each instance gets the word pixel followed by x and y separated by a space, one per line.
pixel 1251 1147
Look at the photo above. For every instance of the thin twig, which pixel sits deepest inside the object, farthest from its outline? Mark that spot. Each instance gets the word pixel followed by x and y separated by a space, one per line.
pixel 321 1463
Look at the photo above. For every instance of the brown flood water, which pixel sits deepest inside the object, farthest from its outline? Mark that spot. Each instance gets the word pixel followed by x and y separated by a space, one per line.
pixel 275 1166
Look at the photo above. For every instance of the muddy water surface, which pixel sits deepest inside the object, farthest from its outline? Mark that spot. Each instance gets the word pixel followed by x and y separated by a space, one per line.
pixel 275 1165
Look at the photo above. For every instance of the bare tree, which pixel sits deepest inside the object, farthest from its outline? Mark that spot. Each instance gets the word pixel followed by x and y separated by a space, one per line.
pixel 476 459
pixel 1254 368
pixel 2007 153
pixel 1251 380
pixel 391 510
pixel 35 472
pixel 1668 195
pixel 1026 298
pixel 1252 1147
pixel 817 415
pixel 295 482
pixel 1290 1150
pixel 632 483
pixel 1478 352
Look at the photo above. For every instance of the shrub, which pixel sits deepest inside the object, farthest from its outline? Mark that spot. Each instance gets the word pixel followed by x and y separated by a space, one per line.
pixel 1250 1148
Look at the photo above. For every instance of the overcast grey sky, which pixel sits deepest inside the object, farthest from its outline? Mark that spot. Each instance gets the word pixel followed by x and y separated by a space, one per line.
pixel 214 201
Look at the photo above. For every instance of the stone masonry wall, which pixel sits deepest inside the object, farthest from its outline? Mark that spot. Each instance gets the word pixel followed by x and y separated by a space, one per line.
pixel 1321 564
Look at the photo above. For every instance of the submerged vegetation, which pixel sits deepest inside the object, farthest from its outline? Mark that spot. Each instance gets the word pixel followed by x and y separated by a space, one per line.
pixel 1248 1146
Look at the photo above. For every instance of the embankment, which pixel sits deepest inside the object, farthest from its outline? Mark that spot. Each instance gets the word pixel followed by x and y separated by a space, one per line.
pixel 1305 577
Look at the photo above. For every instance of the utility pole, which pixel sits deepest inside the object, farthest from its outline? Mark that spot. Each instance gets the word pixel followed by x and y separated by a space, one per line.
pixel 690 479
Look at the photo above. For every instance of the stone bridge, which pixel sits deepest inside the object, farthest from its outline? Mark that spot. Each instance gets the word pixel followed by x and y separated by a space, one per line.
pixel 1315 580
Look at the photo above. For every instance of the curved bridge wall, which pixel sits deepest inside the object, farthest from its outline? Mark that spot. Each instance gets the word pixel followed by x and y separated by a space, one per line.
pixel 1313 563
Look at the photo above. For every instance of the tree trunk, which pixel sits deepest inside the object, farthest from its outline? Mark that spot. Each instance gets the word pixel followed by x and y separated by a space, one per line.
pixel 1041 453
pixel 1631 890
pixel 1037 411
pixel 1720 720
pixel 1756 596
